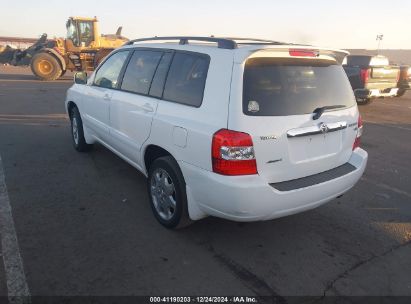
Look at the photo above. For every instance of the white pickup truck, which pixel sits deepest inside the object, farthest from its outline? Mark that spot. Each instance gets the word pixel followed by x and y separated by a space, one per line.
pixel 371 76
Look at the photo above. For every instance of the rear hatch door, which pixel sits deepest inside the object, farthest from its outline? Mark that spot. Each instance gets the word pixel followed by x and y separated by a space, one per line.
pixel 279 96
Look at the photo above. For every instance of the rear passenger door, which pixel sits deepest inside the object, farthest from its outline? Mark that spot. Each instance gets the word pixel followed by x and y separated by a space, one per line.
pixel 133 106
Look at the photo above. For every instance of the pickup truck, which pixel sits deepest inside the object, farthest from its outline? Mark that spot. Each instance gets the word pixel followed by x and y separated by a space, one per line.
pixel 404 82
pixel 371 76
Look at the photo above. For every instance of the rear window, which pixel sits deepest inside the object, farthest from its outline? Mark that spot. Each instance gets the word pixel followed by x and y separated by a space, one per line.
pixel 358 60
pixel 282 86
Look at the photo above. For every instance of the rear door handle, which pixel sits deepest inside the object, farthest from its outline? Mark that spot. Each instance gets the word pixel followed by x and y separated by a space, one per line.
pixel 107 96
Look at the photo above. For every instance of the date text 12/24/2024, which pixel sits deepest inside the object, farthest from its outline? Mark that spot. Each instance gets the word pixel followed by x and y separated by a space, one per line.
pixel 204 299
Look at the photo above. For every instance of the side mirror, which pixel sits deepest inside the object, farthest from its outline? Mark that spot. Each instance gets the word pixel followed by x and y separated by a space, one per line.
pixel 80 78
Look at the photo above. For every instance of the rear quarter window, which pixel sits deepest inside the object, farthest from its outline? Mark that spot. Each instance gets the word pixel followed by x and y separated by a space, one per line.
pixel 282 86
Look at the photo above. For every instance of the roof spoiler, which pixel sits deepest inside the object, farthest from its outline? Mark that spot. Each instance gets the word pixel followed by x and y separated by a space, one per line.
pixel 338 55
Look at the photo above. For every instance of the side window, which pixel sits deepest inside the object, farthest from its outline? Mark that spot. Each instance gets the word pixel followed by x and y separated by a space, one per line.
pixel 108 74
pixel 186 79
pixel 140 71
pixel 159 79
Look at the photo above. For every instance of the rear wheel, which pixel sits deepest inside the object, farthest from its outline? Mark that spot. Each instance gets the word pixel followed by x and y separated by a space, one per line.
pixel 45 66
pixel 167 193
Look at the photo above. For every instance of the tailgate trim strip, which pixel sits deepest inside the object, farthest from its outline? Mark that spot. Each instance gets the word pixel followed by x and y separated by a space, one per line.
pixel 314 179
pixel 322 128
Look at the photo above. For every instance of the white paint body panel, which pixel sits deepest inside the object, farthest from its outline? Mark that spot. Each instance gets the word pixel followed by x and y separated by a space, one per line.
pixel 131 117
pixel 128 124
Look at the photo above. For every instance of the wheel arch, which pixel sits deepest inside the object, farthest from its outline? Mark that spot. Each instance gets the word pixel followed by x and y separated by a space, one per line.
pixel 152 152
pixel 70 106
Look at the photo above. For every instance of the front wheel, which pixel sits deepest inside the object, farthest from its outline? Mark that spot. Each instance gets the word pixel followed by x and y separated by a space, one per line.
pixel 46 66
pixel 167 193
pixel 77 132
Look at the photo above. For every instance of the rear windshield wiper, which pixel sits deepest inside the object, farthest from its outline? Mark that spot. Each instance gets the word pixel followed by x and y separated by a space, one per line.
pixel 319 111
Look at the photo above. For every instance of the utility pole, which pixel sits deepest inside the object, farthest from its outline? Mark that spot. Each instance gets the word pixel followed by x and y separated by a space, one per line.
pixel 380 37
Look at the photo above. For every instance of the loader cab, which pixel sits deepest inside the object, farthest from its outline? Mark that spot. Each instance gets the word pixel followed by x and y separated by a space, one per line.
pixel 80 32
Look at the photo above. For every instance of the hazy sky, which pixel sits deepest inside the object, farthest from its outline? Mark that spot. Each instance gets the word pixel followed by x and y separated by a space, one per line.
pixel 332 23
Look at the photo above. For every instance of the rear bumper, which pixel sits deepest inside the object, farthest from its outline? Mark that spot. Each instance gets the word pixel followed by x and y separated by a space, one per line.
pixel 369 93
pixel 251 198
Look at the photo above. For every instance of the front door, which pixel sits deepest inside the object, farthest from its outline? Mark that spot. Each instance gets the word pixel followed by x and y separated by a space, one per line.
pixel 99 93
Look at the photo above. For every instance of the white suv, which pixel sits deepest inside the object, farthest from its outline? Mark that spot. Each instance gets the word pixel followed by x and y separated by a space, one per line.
pixel 241 129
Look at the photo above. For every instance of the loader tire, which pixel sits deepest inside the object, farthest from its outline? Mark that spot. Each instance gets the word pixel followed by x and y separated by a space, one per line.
pixel 46 67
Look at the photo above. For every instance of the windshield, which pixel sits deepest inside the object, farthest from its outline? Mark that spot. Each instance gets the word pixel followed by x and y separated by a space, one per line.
pixel 86 32
pixel 289 86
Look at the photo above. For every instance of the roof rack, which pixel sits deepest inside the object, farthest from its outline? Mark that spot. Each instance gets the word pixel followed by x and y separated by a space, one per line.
pixel 254 41
pixel 222 43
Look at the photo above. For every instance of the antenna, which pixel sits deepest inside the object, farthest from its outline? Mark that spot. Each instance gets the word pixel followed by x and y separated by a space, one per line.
pixel 379 38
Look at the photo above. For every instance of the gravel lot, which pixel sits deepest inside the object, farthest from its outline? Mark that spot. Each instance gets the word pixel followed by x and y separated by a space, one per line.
pixel 85 227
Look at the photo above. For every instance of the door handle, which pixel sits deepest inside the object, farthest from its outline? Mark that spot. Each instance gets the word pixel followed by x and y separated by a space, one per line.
pixel 147 107
pixel 106 96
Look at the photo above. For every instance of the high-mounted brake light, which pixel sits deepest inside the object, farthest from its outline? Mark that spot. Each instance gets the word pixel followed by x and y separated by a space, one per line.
pixel 303 53
pixel 357 140
pixel 233 153
pixel 365 75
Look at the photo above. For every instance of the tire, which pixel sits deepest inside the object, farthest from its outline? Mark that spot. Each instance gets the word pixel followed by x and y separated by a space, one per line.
pixel 167 193
pixel 77 132
pixel 400 93
pixel 45 66
pixel 363 101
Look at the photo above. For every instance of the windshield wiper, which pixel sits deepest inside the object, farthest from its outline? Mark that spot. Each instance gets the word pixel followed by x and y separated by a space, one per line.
pixel 319 111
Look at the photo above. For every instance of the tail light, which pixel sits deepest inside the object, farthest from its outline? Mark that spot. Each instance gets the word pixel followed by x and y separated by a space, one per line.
pixel 233 153
pixel 365 75
pixel 359 133
pixel 303 53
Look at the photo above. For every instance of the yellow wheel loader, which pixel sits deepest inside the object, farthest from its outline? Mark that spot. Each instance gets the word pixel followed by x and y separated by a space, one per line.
pixel 82 50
